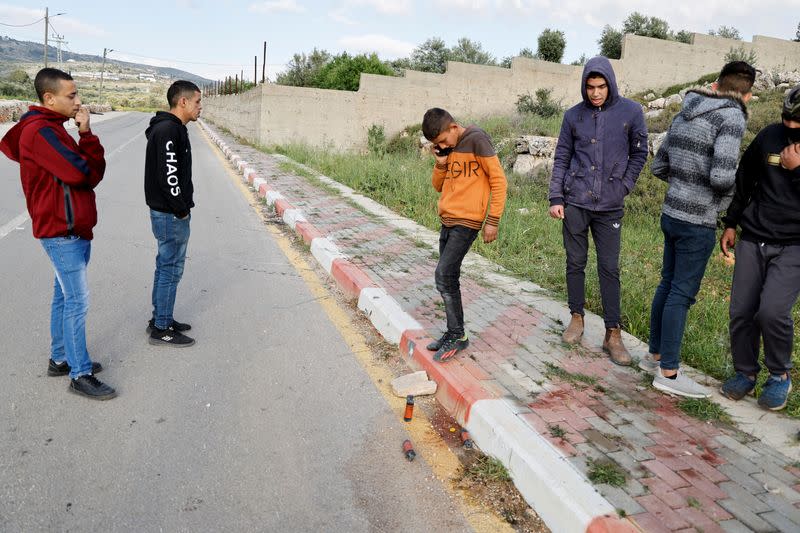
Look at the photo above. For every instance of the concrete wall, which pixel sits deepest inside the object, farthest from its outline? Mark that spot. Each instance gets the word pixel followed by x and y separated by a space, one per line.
pixel 274 114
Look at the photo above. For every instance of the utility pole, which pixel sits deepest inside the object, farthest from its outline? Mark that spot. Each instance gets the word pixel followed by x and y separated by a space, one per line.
pixel 46 30
pixel 60 40
pixel 255 70
pixel 264 64
pixel 106 51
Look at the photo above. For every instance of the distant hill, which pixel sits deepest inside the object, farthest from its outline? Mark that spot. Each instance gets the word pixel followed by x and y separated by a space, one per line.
pixel 15 53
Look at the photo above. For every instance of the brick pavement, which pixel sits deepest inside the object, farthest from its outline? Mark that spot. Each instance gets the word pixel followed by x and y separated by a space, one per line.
pixel 680 473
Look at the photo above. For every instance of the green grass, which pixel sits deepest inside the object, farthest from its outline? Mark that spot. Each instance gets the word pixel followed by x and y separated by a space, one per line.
pixel 530 244
pixel 576 378
pixel 693 502
pixel 487 468
pixel 556 431
pixel 605 472
pixel 703 409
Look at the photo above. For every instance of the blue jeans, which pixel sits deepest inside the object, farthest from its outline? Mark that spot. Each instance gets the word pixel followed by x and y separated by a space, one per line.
pixel 172 235
pixel 70 257
pixel 687 248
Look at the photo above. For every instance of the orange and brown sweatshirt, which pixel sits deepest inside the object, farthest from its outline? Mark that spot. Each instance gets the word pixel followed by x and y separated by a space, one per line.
pixel 471 181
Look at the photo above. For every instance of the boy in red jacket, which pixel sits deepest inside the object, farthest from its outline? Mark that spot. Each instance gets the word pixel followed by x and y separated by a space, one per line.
pixel 58 178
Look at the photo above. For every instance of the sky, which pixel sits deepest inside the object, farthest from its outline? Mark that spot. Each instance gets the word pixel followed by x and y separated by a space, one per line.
pixel 215 38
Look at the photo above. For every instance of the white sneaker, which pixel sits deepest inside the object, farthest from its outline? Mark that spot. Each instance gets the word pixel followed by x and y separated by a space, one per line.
pixel 682 385
pixel 649 364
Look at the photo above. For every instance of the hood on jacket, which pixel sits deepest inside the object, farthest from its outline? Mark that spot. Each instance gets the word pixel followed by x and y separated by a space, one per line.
pixel 700 101
pixel 602 66
pixel 161 116
pixel 10 143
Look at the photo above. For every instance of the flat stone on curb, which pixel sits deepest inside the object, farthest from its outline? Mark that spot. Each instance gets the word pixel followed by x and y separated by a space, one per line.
pixel 414 384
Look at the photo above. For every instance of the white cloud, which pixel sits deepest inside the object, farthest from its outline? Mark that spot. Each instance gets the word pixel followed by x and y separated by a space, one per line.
pixel 64 24
pixel 339 16
pixel 383 45
pixel 277 6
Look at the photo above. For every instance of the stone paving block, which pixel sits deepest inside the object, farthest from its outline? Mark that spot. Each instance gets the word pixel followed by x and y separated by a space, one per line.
pixel 773 468
pixel 633 467
pixel 669 518
pixel 671 478
pixel 702 483
pixel 591 452
pixel 602 426
pixel 744 498
pixel 745 480
pixel 701 522
pixel 620 499
pixel 780 522
pixel 734 526
pixel 711 472
pixel 736 446
pixel 708 506
pixel 773 484
pixel 746 516
pixel 664 492
pixel 599 440
pixel 640 422
pixel 635 436
pixel 744 465
pixel 781 505
pixel 633 488
pixel 650 523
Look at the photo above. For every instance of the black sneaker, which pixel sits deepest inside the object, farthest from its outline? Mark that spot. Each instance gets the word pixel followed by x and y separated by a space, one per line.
pixel 169 337
pixel 450 347
pixel 62 369
pixel 435 345
pixel 177 326
pixel 91 387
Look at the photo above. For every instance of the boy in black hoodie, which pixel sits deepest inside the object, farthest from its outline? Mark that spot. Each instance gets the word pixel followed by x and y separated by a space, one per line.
pixel 168 191
pixel 766 278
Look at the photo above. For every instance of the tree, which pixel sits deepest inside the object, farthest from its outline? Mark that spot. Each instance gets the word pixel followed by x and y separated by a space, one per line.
pixel 797 35
pixel 343 72
pixel 581 61
pixel 430 56
pixel 726 32
pixel 551 45
pixel 19 75
pixel 469 51
pixel 639 24
pixel 610 43
pixel 525 52
pixel 303 69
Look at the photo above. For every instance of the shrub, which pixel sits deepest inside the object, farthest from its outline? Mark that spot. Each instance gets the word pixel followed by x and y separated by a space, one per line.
pixel 740 54
pixel 376 140
pixel 542 106
pixel 405 142
pixel 610 43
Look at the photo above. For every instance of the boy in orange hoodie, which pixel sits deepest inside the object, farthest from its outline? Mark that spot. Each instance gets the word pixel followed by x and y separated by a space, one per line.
pixel 470 178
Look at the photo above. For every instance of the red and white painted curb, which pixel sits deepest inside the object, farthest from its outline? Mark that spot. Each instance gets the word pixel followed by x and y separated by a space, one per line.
pixel 556 490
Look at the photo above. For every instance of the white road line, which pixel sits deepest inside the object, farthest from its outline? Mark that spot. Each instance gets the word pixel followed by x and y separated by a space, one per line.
pixel 16 222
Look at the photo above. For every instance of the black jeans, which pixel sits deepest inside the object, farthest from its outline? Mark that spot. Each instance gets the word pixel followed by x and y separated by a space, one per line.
pixel 606 227
pixel 454 243
pixel 766 283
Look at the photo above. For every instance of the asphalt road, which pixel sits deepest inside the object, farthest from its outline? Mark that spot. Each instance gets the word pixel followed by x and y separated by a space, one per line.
pixel 267 424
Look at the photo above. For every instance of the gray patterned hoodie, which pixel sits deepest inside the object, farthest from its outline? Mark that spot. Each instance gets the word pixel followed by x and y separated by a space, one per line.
pixel 699 156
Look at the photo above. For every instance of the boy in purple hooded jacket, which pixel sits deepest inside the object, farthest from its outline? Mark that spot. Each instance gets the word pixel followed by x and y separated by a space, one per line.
pixel 600 152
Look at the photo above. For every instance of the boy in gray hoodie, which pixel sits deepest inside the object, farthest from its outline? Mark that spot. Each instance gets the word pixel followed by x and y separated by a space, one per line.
pixel 698 159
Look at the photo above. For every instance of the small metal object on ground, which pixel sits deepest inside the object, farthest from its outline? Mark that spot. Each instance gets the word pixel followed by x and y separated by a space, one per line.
pixel 408 450
pixel 409 414
pixel 466 441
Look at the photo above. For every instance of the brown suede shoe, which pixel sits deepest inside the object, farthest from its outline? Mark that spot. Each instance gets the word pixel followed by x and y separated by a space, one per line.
pixel 613 346
pixel 574 331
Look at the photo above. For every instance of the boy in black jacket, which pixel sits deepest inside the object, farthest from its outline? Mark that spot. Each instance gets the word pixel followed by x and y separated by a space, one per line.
pixel 766 278
pixel 168 191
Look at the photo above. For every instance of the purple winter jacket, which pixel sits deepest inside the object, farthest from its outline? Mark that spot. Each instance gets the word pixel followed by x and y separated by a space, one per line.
pixel 600 150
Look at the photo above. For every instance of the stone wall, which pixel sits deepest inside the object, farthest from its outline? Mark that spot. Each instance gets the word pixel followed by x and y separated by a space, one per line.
pixel 274 114
pixel 11 110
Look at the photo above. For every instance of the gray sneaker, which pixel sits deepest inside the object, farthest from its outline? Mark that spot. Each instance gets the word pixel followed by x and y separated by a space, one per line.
pixel 649 364
pixel 682 385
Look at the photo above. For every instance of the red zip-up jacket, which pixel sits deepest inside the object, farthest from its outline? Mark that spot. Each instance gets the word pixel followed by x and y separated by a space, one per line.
pixel 58 175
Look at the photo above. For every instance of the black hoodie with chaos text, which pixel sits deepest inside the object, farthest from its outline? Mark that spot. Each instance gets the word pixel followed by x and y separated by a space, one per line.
pixel 168 166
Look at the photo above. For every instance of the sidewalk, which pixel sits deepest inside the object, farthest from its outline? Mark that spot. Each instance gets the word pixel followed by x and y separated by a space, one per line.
pixel 546 410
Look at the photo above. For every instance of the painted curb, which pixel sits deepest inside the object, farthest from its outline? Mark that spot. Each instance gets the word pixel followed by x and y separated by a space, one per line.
pixel 557 491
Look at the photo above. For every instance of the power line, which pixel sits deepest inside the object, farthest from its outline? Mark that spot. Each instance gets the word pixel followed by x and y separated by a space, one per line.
pixel 21 25
pixel 181 61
